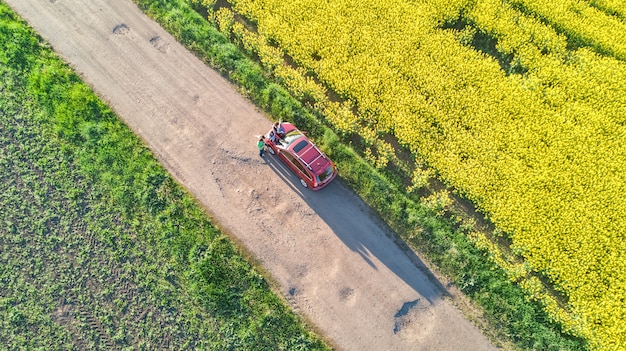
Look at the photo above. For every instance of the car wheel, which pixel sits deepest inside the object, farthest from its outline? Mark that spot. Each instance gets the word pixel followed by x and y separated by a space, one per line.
pixel 270 150
pixel 304 184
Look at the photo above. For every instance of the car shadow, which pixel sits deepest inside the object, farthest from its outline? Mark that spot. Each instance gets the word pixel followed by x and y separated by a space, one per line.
pixel 346 219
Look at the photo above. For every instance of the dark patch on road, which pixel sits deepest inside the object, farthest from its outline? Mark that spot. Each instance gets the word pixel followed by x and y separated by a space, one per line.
pixel 401 318
pixel 159 44
pixel 121 29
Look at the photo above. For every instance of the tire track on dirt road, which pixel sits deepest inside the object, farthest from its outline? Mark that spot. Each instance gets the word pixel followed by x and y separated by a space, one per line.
pixel 333 262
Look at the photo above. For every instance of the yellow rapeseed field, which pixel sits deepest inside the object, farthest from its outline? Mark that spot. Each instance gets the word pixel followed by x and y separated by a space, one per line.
pixel 519 105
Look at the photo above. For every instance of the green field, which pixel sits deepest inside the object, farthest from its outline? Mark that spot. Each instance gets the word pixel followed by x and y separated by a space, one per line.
pixel 99 247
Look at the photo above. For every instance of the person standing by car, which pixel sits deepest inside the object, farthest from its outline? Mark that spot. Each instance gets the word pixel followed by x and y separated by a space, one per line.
pixel 261 145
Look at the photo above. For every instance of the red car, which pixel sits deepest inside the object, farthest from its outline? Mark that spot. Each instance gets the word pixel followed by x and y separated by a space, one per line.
pixel 311 165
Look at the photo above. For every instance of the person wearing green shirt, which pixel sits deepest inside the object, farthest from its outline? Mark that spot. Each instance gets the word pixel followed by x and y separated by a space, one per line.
pixel 261 145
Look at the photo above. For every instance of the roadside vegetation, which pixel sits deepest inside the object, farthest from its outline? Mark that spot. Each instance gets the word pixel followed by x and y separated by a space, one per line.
pixel 99 247
pixel 425 212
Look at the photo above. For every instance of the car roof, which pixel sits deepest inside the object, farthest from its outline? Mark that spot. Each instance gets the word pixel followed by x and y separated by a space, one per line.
pixel 288 127
pixel 306 150
pixel 310 154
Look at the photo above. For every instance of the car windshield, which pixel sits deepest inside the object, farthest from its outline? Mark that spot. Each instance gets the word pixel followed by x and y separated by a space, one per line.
pixel 322 177
pixel 290 138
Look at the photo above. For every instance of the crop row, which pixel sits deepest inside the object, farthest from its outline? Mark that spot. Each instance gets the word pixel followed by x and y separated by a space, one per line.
pixel 498 104
pixel 597 24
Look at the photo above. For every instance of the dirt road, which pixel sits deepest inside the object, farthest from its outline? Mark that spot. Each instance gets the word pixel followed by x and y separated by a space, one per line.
pixel 332 260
